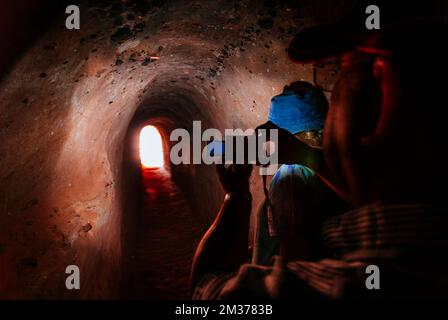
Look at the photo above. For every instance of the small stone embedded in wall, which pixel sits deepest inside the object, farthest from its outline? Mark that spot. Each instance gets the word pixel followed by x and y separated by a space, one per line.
pixel 87 227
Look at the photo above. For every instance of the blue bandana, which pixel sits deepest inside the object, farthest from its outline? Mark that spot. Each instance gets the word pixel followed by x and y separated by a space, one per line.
pixel 297 113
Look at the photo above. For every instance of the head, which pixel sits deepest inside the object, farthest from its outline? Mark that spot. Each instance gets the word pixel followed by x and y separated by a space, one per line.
pixel 301 109
pixel 384 133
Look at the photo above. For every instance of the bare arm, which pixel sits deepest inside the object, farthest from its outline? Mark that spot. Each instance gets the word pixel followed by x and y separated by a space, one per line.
pixel 224 246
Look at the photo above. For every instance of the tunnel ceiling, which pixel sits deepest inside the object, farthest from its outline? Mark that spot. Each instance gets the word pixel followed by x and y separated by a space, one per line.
pixel 68 100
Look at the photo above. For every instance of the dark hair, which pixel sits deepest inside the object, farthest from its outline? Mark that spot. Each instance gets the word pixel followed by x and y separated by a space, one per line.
pixel 298 87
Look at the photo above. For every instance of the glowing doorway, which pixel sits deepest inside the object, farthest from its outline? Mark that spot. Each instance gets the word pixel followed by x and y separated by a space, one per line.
pixel 151 149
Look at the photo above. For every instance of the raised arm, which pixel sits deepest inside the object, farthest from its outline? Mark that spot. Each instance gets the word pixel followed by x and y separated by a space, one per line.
pixel 224 246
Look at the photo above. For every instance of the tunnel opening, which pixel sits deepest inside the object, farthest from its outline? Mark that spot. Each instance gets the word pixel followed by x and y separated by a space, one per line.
pixel 150 147
pixel 165 229
pixel 163 224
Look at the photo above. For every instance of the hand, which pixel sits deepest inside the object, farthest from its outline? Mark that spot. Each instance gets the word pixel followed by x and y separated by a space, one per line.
pixel 293 151
pixel 235 178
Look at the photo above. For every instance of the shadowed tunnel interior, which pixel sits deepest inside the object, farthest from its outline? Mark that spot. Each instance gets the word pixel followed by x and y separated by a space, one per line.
pixel 169 212
pixel 73 103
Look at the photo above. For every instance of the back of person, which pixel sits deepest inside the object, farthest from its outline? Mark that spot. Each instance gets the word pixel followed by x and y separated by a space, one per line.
pixel 290 225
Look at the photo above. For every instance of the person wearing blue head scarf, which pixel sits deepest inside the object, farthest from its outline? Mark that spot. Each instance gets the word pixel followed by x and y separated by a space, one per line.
pixel 299 201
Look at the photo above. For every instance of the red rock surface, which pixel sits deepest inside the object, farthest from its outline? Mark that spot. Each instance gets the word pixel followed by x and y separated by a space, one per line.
pixel 68 170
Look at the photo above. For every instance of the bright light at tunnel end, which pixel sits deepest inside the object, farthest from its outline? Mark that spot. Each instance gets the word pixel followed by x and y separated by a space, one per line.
pixel 151 149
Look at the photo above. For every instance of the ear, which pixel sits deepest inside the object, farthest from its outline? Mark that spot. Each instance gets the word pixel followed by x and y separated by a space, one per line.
pixel 383 108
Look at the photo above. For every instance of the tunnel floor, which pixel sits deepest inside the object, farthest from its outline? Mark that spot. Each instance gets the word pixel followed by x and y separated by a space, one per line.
pixel 167 236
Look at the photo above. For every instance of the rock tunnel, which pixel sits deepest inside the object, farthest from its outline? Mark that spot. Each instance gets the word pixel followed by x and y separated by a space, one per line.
pixel 73 103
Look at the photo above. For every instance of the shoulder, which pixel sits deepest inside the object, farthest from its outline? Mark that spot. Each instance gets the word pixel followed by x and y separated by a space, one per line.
pixel 292 173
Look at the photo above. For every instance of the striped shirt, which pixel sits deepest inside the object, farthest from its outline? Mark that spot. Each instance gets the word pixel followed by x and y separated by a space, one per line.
pixel 408 243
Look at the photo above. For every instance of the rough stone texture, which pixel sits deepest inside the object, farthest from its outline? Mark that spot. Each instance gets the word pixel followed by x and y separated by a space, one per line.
pixel 67 105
